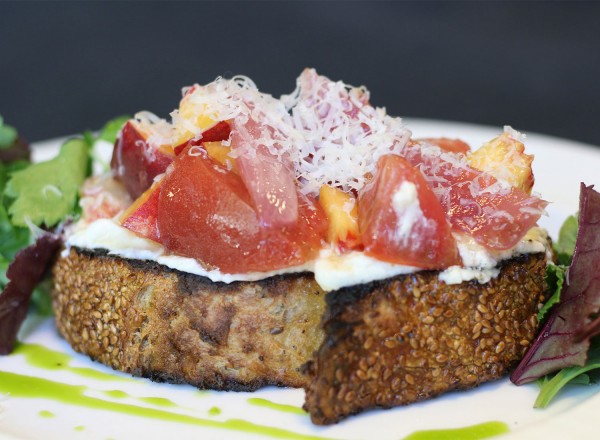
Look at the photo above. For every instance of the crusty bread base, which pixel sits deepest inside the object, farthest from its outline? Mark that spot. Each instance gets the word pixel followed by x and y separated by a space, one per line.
pixel 380 344
pixel 413 337
pixel 150 321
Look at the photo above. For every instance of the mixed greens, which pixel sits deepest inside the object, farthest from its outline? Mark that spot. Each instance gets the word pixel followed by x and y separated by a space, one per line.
pixel 12 237
pixel 8 135
pixel 35 201
pixel 46 193
pixel 568 339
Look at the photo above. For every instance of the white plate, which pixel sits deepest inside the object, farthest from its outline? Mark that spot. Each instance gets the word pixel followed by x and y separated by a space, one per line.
pixel 559 167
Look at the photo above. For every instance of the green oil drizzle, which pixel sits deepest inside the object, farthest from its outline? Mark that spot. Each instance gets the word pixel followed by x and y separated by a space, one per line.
pixel 214 411
pixel 116 394
pixel 46 414
pixel 79 428
pixel 158 401
pixel 264 403
pixel 47 359
pixel 34 387
pixel 42 357
pixel 475 432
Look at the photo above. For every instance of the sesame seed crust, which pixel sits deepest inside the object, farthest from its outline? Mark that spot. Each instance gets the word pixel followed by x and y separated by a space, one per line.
pixel 380 344
pixel 414 337
pixel 151 321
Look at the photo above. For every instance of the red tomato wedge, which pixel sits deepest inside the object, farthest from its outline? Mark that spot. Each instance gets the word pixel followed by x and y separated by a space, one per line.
pixel 205 212
pixel 447 144
pixel 141 217
pixel 402 221
pixel 268 179
pixel 136 162
pixel 495 214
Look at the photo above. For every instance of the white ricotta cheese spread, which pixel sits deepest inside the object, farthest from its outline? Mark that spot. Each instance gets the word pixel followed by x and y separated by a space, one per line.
pixel 332 271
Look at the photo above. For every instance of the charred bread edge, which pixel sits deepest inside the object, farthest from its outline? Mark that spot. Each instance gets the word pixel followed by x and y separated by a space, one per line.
pixel 157 268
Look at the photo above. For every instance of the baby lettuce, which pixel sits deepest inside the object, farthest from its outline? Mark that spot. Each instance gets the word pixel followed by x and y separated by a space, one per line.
pixel 45 193
pixel 24 273
pixel 566 337
pixel 110 130
pixel 555 280
pixel 32 196
pixel 12 147
pixel 551 385
pixel 565 246
pixel 556 273
pixel 8 135
pixel 12 238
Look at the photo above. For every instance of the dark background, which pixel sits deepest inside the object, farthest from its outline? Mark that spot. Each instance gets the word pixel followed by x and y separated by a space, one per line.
pixel 69 66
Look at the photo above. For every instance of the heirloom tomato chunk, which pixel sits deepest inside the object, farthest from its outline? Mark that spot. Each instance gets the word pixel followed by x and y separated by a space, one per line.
pixel 448 145
pixel 494 213
pixel 401 220
pixel 205 212
pixel 270 182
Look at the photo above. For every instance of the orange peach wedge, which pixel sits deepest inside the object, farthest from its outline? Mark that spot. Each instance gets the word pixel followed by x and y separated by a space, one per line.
pixel 342 214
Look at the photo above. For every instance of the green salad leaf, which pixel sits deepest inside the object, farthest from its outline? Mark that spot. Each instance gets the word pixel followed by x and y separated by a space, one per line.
pixel 108 133
pixel 555 279
pixel 45 193
pixel 550 386
pixel 4 262
pixel 111 129
pixel 41 299
pixel 8 135
pixel 565 246
pixel 12 238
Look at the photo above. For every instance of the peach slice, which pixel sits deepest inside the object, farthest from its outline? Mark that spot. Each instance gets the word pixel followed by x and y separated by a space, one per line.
pixel 342 214
pixel 142 215
pixel 504 158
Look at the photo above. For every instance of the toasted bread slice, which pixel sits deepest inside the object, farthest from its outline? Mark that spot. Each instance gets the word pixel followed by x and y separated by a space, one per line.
pixel 413 337
pixel 380 344
pixel 151 321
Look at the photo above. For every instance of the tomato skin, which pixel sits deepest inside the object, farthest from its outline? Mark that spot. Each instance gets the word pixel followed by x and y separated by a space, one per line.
pixel 397 234
pixel 206 213
pixel 447 144
pixel 269 179
pixel 136 162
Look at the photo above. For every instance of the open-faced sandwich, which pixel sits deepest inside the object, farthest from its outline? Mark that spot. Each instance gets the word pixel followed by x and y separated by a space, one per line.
pixel 307 241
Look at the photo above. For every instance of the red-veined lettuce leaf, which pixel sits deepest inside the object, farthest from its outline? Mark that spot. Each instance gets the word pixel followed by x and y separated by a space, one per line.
pixel 564 340
pixel 24 273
